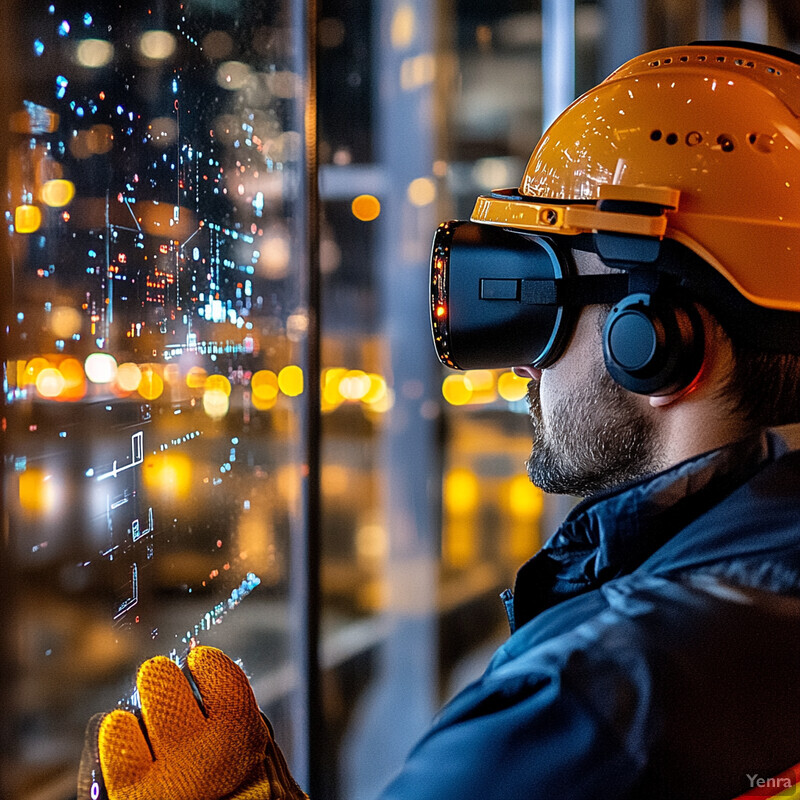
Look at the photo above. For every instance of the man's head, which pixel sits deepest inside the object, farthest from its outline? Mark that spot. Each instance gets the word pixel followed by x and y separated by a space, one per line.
pixel 673 186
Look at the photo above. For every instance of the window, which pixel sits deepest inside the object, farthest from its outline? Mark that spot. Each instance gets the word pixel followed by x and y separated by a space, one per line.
pixel 156 373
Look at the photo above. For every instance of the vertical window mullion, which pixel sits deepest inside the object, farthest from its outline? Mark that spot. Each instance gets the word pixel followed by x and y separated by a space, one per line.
pixel 305 548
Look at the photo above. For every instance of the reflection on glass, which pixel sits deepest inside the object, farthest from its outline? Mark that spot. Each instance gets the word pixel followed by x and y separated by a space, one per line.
pixel 154 370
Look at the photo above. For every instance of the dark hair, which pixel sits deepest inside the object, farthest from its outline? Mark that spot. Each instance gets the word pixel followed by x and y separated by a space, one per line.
pixel 764 383
pixel 764 387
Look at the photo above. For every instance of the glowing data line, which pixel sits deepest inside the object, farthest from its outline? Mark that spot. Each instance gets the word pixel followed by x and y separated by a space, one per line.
pixel 183 244
pixel 128 604
pixel 137 457
pixel 138 226
pixel 136 531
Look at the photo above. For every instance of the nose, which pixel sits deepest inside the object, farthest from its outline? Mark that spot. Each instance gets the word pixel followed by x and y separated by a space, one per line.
pixel 528 371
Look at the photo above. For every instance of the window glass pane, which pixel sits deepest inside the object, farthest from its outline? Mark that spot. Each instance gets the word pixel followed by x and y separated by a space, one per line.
pixel 155 378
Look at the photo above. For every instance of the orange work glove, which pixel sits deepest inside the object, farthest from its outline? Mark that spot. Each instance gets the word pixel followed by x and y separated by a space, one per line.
pixel 180 750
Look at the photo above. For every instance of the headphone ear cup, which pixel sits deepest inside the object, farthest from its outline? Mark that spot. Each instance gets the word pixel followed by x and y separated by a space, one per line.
pixel 653 346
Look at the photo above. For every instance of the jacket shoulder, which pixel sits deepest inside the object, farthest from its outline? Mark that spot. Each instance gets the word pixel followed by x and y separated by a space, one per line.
pixel 622 702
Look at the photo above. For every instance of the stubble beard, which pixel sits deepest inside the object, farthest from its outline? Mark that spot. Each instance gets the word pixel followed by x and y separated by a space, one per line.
pixel 595 441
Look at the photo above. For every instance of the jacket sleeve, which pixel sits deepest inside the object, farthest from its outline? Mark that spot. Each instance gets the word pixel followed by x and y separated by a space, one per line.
pixel 523 731
pixel 630 703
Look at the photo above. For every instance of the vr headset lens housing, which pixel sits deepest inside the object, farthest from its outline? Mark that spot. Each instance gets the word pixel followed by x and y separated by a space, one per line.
pixel 493 299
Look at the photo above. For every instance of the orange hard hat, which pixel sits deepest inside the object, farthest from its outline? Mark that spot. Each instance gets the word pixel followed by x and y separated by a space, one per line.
pixel 705 138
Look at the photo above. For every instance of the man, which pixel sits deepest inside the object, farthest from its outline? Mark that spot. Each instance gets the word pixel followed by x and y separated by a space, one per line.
pixel 644 277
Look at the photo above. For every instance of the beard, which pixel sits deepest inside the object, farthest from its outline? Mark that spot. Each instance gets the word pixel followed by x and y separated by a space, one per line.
pixel 597 439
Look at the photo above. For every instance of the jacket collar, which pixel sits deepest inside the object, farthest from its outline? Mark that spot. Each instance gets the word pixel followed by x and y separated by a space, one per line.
pixel 612 533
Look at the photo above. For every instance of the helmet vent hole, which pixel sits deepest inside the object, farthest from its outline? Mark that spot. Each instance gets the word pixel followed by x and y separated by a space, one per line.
pixel 725 142
pixel 654 64
pixel 761 142
pixel 655 135
pixel 667 60
pixel 672 138
pixel 684 59
pixel 721 59
pixel 701 58
pixel 693 138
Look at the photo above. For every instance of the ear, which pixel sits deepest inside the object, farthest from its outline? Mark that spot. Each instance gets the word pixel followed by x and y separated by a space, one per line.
pixel 716 363
pixel 661 400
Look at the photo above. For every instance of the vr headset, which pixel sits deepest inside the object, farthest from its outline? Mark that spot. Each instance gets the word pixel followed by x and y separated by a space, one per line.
pixel 502 298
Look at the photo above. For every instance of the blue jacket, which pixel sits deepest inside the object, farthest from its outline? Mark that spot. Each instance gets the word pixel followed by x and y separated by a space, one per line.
pixel 655 648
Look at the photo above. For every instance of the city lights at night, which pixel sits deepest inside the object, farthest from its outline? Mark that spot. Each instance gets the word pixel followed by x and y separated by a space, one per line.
pixel 155 344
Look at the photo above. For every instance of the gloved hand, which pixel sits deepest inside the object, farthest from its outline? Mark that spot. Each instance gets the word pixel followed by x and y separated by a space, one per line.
pixel 180 750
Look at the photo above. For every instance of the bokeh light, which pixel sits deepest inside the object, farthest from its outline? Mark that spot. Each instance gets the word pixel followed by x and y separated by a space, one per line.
pixel 354 385
pixel 286 84
pixel 377 391
pixel 217 44
pixel 57 193
pixel 331 396
pixel 264 385
pixel 157 45
pixel 525 501
pixel 372 544
pixel 34 367
pixel 218 383
pixel 74 379
pixel 233 75
pixel 262 403
pixel 461 492
pixel 196 378
pixel 129 376
pixel 290 380
pixel 171 374
pixel 511 387
pixel 457 390
pixel 151 386
pixel 65 321
pixel 38 492
pixel 215 403
pixel 168 474
pixel 481 380
pixel 27 218
pixel 275 252
pixel 50 382
pixel 366 207
pixel 404 26
pixel 94 53
pixel 100 367
pixel 99 139
pixel 421 192
pixel 162 131
pixel 331 32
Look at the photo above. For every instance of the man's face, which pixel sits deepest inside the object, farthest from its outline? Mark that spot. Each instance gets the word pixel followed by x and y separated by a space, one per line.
pixel 589 433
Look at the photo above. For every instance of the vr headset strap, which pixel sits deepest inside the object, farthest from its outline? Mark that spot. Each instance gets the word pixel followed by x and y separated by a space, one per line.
pixel 576 290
